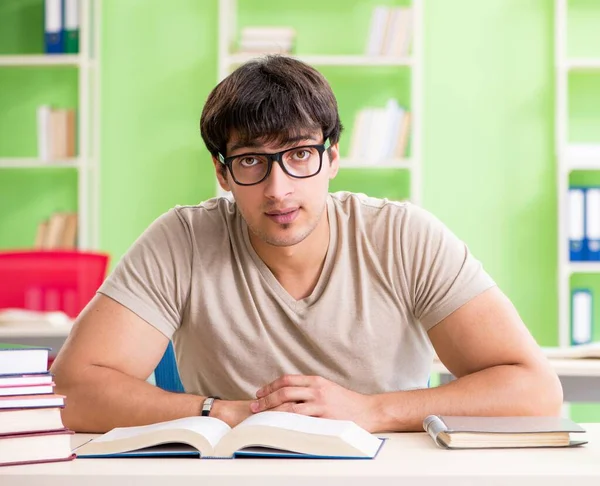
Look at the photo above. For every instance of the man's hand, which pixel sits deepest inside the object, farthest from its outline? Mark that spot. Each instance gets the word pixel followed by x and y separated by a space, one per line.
pixel 231 412
pixel 316 397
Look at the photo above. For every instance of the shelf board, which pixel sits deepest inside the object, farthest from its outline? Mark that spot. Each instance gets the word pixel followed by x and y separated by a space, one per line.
pixel 33 163
pixel 583 63
pixel 317 60
pixel 383 164
pixel 40 60
pixel 582 156
pixel 584 267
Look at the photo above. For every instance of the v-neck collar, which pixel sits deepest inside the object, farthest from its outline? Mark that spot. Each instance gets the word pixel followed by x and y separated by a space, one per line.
pixel 273 283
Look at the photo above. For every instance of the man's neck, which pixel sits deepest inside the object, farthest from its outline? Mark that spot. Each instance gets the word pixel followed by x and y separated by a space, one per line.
pixel 298 267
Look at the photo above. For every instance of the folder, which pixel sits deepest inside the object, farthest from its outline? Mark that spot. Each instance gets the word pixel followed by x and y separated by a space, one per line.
pixel 71 26
pixel 592 223
pixel 576 217
pixel 581 316
pixel 53 31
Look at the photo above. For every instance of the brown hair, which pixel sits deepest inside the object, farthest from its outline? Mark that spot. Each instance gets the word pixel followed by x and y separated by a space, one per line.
pixel 270 99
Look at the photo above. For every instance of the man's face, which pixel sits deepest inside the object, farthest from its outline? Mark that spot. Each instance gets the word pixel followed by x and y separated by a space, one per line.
pixel 282 210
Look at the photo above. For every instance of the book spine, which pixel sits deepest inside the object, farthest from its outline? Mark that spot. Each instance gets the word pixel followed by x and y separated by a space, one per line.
pixel 71 26
pixel 434 425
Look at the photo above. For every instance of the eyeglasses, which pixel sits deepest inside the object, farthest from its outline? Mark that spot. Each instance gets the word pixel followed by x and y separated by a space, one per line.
pixel 298 162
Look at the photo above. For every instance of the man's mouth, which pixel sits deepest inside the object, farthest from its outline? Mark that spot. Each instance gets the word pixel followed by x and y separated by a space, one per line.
pixel 282 216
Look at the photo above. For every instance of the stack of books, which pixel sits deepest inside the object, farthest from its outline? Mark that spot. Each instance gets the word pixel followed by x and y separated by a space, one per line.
pixel 31 428
pixel 390 32
pixel 267 40
pixel 59 232
pixel 380 134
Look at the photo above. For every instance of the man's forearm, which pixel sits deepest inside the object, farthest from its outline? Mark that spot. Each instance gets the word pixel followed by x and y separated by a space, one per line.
pixel 102 398
pixel 501 390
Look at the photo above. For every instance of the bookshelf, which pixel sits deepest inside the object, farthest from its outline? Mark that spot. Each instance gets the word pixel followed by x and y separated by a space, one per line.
pixel 86 164
pixel 569 160
pixel 228 60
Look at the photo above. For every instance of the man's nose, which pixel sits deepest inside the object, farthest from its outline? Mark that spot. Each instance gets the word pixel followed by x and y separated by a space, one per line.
pixel 278 185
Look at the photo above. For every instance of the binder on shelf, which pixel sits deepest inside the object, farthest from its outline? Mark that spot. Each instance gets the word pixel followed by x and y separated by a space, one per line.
pixel 53 27
pixel 71 26
pixel 592 223
pixel 581 316
pixel 576 220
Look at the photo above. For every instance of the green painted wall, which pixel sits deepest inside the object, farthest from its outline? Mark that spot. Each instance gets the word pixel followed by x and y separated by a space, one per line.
pixel 489 170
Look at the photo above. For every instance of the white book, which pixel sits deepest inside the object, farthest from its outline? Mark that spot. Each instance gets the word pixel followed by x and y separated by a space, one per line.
pixel 43 131
pixel 581 325
pixel 377 28
pixel 264 434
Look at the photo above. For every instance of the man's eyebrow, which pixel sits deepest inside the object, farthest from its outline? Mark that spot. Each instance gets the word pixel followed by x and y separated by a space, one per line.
pixel 253 145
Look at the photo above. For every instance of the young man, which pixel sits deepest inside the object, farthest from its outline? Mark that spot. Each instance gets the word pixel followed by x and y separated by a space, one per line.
pixel 291 298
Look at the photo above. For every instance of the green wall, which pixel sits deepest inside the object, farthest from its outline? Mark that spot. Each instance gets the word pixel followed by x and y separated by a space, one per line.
pixel 489 170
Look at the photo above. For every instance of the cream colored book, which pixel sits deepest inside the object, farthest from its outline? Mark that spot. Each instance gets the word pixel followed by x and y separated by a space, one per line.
pixel 278 434
pixel 456 432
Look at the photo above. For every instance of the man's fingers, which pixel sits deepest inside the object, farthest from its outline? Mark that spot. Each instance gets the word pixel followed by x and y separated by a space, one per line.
pixel 285 381
pixel 303 408
pixel 282 396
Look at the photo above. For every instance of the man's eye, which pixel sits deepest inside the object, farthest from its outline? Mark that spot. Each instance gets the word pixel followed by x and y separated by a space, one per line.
pixel 302 154
pixel 249 162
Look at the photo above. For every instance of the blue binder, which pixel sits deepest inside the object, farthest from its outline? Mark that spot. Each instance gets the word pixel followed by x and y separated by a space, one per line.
pixel 576 221
pixel 53 27
pixel 592 223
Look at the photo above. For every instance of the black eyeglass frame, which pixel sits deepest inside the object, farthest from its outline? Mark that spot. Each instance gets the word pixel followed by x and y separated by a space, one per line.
pixel 275 157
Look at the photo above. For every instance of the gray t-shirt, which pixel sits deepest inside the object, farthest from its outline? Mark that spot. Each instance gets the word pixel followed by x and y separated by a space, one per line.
pixel 392 272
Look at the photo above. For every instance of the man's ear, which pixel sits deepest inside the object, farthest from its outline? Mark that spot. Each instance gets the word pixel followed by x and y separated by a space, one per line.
pixel 221 173
pixel 334 160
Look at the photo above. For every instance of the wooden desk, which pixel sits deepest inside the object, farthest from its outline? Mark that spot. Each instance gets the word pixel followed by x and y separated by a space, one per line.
pixel 580 378
pixel 406 459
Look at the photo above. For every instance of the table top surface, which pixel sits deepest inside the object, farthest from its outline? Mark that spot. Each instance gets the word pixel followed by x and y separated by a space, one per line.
pixel 411 456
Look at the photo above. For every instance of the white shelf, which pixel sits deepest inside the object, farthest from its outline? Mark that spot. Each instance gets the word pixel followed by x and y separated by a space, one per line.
pixel 33 163
pixel 316 60
pixel 584 267
pixel 41 60
pixel 382 164
pixel 582 64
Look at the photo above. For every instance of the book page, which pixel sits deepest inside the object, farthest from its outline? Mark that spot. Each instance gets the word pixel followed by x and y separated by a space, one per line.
pixel 300 423
pixel 209 427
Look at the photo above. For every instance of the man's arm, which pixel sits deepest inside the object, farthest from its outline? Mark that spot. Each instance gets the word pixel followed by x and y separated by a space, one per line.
pixel 102 369
pixel 499 367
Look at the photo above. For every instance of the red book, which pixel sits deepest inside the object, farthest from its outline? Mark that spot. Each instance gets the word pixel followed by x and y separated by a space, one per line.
pixel 21 420
pixel 32 448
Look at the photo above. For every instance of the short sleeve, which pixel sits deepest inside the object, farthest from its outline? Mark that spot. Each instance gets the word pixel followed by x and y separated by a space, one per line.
pixel 153 277
pixel 442 274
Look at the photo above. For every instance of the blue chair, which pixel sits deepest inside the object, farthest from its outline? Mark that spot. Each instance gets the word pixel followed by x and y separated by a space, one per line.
pixel 166 375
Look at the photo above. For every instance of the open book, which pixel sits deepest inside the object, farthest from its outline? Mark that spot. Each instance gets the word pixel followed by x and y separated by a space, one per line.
pixel 501 432
pixel 578 351
pixel 279 434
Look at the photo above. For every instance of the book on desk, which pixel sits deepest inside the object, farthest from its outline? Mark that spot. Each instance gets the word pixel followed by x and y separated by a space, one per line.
pixel 266 434
pixel 456 432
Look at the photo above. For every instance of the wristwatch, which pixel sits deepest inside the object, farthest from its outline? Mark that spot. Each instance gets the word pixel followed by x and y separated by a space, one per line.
pixel 207 405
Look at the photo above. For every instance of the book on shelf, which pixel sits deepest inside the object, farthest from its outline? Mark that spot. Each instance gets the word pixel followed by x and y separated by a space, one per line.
pixel 56 133
pixel 36 447
pixel 269 434
pixel 380 133
pixel 58 232
pixel 267 40
pixel 390 31
pixel 71 26
pixel 456 432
